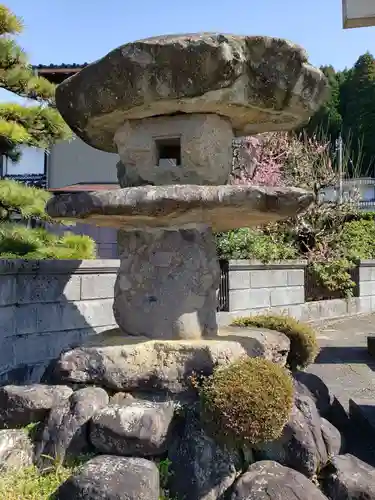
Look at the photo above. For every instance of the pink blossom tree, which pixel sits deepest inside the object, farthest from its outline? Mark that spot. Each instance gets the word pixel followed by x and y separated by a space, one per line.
pixel 258 160
pixel 281 158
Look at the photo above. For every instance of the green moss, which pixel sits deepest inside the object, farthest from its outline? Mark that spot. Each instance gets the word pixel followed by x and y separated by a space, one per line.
pixel 303 342
pixel 246 403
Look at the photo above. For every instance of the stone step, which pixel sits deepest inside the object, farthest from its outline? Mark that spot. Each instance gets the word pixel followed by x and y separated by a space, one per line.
pixel 362 414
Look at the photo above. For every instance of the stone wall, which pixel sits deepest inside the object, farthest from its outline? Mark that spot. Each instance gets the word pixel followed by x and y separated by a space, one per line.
pixel 256 288
pixel 49 306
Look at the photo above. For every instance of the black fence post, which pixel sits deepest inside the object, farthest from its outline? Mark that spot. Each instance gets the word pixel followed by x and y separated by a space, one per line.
pixel 223 295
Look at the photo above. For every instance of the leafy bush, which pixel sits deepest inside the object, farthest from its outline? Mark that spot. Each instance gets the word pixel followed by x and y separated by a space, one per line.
pixel 247 402
pixel 303 343
pixel 332 267
pixel 357 239
pixel 333 253
pixel 246 243
pixel 18 241
pixel 360 216
pixel 334 276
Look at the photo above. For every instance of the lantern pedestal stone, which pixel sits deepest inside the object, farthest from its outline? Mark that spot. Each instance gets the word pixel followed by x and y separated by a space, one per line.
pixel 167 283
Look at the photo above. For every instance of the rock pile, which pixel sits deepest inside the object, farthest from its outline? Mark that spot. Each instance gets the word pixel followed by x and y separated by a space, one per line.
pixel 142 426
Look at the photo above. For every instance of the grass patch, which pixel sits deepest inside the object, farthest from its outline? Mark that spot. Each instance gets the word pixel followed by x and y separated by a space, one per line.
pixel 31 484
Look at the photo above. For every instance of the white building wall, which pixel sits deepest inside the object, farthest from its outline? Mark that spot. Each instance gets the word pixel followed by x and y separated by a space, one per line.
pixel 71 162
pixel 74 161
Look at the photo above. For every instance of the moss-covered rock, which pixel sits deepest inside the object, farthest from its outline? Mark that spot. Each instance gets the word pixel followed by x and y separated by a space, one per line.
pixel 246 403
pixel 303 342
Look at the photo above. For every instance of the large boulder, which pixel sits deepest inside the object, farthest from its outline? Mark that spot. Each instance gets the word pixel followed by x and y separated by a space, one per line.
pixel 257 83
pixel 268 480
pixel 65 432
pixel 139 428
pixel 149 366
pixel 348 478
pixel 23 405
pixel 332 438
pixel 309 384
pixel 16 449
pixel 112 478
pixel 301 446
pixel 200 468
pixel 268 344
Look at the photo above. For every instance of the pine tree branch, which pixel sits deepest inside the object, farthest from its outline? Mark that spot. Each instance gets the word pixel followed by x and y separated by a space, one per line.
pixel 22 81
pixel 9 23
pixel 36 126
pixel 16 74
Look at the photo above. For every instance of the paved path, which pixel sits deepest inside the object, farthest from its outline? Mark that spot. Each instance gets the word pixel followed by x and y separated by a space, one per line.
pixel 343 363
pixel 349 372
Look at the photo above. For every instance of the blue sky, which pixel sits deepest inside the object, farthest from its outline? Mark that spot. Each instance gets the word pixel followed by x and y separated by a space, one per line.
pixel 77 31
pixel 70 31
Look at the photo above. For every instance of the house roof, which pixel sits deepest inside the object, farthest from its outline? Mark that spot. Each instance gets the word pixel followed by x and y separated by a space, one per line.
pixel 57 73
pixel 85 187
pixel 51 68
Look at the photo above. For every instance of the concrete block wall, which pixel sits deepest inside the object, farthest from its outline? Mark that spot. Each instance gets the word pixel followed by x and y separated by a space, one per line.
pixel 255 288
pixel 367 283
pixel 253 285
pixel 49 306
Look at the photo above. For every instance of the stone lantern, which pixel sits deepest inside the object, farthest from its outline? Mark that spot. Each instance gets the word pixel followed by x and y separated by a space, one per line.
pixel 171 106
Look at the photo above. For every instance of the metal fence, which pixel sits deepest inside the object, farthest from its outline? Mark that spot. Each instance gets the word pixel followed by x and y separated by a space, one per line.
pixel 223 293
pixel 36 180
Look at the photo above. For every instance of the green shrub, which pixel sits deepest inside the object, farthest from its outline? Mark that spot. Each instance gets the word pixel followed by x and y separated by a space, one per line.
pixel 334 275
pixel 247 402
pixel 20 242
pixel 303 343
pixel 357 239
pixel 246 243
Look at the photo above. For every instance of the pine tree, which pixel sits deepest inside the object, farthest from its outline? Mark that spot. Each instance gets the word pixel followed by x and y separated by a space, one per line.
pixel 39 125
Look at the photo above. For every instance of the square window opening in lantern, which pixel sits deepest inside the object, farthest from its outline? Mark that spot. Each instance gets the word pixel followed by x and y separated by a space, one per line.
pixel 168 151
